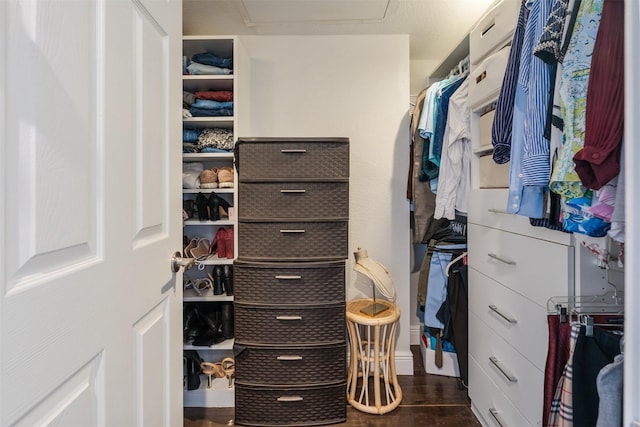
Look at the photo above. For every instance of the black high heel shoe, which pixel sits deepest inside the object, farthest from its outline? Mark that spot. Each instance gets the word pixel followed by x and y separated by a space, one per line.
pixel 218 277
pixel 214 207
pixel 192 369
pixel 227 319
pixel 203 207
pixel 222 207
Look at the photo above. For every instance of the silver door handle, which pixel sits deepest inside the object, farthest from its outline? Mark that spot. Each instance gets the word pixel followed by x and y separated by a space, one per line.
pixel 283 277
pixel 501 314
pixel 508 375
pixel 178 261
pixel 293 151
pixel 293 191
pixel 499 258
pixel 292 231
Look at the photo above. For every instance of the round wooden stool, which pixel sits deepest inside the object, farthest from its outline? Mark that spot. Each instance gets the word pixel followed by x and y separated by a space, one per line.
pixel 372 358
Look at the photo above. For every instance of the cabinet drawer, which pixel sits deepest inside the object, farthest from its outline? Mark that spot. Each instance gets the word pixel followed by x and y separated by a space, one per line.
pixel 485 80
pixel 292 241
pixel 489 403
pixel 293 200
pixel 297 159
pixel 275 326
pixel 488 207
pixel 289 283
pixel 493 30
pixel 291 366
pixel 264 406
pixel 534 268
pixel 513 317
pixel 514 375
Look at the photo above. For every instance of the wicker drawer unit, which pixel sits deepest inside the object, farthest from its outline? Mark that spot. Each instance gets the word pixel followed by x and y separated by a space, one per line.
pixel 289 299
pixel 293 241
pixel 282 406
pixel 272 325
pixel 303 365
pixel 307 200
pixel 282 284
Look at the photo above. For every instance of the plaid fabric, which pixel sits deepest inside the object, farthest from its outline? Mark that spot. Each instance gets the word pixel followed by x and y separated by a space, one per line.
pixel 561 414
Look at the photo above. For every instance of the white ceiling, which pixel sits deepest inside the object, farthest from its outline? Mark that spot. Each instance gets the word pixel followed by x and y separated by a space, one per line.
pixel 435 26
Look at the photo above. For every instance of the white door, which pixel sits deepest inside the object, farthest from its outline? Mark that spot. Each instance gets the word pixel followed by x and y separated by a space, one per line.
pixel 90 331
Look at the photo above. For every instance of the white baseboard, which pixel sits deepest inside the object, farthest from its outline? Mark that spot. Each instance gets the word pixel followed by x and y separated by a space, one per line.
pixel 415 333
pixel 404 362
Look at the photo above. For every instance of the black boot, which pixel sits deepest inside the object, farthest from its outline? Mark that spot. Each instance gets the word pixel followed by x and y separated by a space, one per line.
pixel 203 207
pixel 211 332
pixel 227 279
pixel 192 361
pixel 218 276
pixel 227 319
pixel 190 322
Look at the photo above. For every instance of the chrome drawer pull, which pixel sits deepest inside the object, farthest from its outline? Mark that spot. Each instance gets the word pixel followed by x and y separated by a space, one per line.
pixel 288 317
pixel 502 370
pixel 280 277
pixel 289 358
pixel 501 314
pixel 292 231
pixel 494 210
pixel 496 416
pixel 290 399
pixel 506 261
pixel 293 191
pixel 300 151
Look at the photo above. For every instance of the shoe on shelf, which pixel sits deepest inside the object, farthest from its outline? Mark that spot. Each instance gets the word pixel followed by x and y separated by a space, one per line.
pixel 202 203
pixel 227 279
pixel 225 177
pixel 217 280
pixel 209 178
pixel 228 242
pixel 201 251
pixel 219 205
pixel 218 245
pixel 226 310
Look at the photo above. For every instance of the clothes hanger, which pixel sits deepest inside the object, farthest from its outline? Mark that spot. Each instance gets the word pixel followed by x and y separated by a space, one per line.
pixel 453 261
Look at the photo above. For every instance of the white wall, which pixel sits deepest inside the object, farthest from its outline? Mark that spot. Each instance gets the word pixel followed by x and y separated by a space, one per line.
pixel 356 87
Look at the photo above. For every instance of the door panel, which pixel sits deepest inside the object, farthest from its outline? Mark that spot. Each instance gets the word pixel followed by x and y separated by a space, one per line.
pixel 90 315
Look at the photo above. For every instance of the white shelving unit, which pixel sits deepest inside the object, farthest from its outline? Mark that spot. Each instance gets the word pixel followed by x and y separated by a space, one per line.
pixel 220 394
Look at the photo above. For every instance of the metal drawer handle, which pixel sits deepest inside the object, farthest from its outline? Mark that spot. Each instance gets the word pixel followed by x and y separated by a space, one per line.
pixel 494 210
pixel 290 399
pixel 293 191
pixel 506 261
pixel 287 358
pixel 501 314
pixel 288 317
pixel 281 277
pixel 302 151
pixel 508 375
pixel 292 231
pixel 496 416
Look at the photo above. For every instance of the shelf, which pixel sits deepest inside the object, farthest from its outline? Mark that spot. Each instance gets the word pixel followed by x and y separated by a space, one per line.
pixel 208 122
pixel 207 156
pixel 191 296
pixel 207 190
pixel 197 222
pixel 224 345
pixel 218 396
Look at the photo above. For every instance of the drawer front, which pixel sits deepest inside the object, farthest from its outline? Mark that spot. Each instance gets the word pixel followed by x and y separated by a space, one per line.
pixel 493 30
pixel 287 283
pixel 291 366
pixel 514 375
pixel 489 403
pixel 485 80
pixel 320 159
pixel 263 406
pixel 516 319
pixel 531 267
pixel 488 207
pixel 289 326
pixel 287 200
pixel 292 241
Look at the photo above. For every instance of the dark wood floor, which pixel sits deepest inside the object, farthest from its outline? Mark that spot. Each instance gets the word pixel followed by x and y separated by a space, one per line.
pixel 428 400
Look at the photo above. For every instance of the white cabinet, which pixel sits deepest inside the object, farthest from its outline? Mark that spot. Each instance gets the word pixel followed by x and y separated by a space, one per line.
pixel 210 129
pixel 514 268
